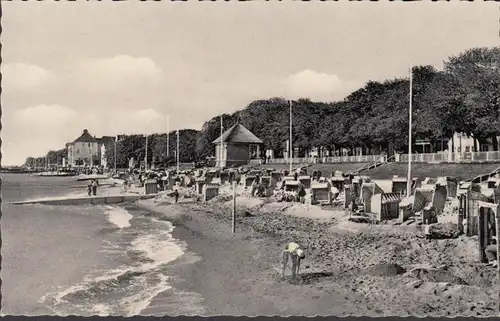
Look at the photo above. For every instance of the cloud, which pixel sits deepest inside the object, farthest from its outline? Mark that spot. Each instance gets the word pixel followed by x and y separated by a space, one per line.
pixel 139 122
pixel 119 82
pixel 317 86
pixel 119 71
pixel 35 130
pixel 42 116
pixel 25 77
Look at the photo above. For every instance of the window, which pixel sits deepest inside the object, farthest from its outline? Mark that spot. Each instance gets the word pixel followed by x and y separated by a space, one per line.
pixel 467 149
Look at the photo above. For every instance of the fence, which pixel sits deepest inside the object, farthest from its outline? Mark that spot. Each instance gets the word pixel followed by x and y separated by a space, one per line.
pixel 453 157
pixel 403 158
pixel 311 160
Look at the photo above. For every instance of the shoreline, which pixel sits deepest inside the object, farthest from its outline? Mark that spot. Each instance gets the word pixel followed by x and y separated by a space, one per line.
pixel 234 274
pixel 350 267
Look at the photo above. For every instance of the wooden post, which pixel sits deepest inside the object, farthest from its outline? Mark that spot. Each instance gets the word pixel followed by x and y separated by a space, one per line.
pixel 497 225
pixel 461 216
pixel 482 234
pixel 234 207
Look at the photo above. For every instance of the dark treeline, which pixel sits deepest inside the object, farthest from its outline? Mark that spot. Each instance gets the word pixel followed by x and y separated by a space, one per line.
pixel 53 157
pixel 464 97
pixel 135 146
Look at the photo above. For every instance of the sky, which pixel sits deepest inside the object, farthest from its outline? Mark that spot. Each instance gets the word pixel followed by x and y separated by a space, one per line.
pixel 122 67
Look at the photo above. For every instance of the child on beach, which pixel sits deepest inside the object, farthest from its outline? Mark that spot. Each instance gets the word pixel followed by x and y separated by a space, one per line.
pixel 125 185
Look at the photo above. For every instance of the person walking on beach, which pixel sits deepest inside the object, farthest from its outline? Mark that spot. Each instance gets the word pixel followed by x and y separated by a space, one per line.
pixel 302 194
pixel 89 189
pixel 296 254
pixel 176 195
pixel 94 187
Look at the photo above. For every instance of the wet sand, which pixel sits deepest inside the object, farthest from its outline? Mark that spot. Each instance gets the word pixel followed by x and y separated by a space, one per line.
pixel 350 268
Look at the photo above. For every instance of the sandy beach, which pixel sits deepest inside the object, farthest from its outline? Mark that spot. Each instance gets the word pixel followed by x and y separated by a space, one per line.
pixel 350 268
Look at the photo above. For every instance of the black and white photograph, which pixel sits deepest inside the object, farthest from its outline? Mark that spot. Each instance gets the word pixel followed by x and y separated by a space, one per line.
pixel 250 158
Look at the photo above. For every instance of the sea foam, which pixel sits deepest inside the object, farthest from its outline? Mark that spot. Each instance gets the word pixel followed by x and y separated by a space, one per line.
pixel 118 216
pixel 136 285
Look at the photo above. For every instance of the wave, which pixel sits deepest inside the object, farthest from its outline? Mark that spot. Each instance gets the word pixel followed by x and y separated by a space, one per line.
pixel 118 216
pixel 59 197
pixel 128 290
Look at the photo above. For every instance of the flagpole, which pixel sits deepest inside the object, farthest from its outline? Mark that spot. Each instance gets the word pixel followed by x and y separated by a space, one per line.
pixel 146 156
pixel 168 135
pixel 221 143
pixel 290 140
pixel 114 145
pixel 409 182
pixel 177 151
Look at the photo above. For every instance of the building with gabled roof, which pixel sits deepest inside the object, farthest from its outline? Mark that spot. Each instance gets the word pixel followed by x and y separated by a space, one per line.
pixel 87 150
pixel 238 145
pixel 85 137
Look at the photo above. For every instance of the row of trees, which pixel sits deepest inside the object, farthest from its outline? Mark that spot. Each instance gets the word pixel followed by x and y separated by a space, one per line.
pixel 52 157
pixel 464 97
pixel 135 146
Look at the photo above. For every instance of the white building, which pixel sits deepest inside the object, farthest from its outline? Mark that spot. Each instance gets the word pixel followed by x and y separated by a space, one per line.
pixel 84 151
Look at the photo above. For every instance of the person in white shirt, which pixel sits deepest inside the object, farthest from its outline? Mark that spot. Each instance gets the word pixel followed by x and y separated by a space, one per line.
pixel 296 254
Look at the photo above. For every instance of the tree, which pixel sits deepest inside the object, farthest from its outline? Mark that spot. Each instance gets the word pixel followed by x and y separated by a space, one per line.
pixel 476 73
pixel 464 97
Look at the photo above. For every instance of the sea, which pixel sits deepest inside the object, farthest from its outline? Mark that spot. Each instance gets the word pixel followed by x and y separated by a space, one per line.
pixel 79 260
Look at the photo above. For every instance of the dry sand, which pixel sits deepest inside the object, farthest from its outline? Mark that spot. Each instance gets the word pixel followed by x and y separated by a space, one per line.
pixel 350 268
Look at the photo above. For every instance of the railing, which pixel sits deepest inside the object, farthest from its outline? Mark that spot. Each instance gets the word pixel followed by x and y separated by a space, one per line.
pixel 353 159
pixel 403 158
pixel 452 158
pixel 424 158
pixel 332 159
pixel 256 161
